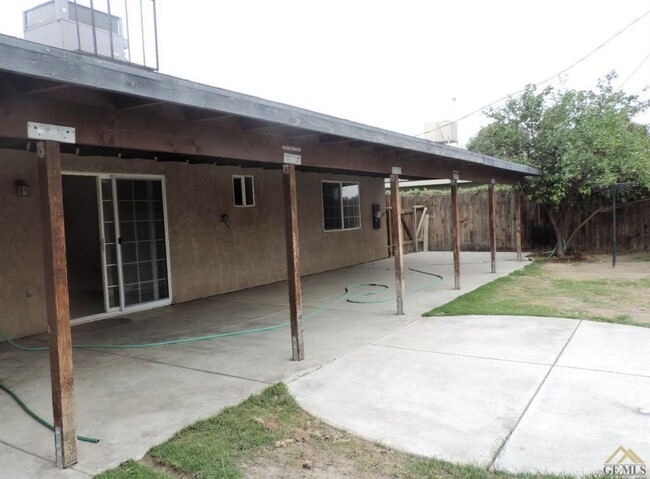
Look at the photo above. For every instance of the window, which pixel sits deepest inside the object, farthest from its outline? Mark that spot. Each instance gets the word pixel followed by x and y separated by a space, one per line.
pixel 341 205
pixel 242 187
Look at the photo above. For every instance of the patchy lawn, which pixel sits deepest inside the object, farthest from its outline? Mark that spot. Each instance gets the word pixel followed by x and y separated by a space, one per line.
pixel 270 436
pixel 586 289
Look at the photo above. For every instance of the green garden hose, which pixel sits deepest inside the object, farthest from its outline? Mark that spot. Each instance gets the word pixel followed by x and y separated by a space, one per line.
pixel 38 418
pixel 349 296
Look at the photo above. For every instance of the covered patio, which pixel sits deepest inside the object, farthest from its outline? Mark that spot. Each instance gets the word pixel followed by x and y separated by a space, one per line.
pixel 128 190
pixel 132 399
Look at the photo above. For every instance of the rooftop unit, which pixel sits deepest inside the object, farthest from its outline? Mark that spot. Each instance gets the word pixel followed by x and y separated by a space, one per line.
pixel 442 131
pixel 97 27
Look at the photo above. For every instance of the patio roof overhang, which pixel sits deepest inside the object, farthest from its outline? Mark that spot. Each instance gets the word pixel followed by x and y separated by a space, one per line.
pixel 122 110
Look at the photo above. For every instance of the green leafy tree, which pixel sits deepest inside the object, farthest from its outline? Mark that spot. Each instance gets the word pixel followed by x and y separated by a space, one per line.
pixel 583 141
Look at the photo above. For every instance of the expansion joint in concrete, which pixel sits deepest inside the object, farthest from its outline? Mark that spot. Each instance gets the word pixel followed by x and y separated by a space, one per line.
pixel 532 398
pixel 163 363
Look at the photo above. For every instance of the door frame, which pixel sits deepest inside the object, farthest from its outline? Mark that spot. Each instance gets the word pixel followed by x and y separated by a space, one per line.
pixel 121 309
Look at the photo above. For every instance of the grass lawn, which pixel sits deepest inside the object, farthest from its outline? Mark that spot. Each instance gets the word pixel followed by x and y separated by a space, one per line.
pixel 583 289
pixel 270 436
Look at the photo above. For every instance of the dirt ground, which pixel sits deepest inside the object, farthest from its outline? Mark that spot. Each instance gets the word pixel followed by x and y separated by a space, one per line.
pixel 321 452
pixel 628 267
pixel 625 289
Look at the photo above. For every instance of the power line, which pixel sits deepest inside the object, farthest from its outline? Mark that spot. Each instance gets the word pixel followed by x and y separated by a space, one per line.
pixel 478 110
pixel 634 72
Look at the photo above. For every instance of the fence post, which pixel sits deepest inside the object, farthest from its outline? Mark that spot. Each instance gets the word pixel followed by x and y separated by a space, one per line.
pixel 455 227
pixel 518 221
pixel 493 226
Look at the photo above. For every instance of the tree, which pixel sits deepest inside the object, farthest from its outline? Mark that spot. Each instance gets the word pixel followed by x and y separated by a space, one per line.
pixel 583 141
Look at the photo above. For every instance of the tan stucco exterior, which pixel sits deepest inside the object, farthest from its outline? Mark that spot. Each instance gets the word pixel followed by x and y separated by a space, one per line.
pixel 207 257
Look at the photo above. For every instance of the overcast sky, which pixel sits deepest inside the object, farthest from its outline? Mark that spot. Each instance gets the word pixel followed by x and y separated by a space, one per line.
pixel 394 64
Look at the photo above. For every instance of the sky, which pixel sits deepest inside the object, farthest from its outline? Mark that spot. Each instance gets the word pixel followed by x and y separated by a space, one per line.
pixel 396 64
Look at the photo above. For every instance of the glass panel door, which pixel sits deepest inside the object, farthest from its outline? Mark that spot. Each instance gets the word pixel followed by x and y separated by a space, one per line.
pixel 142 243
pixel 112 286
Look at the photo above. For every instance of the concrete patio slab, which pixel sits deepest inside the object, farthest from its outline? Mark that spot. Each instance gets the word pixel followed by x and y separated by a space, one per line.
pixel 452 407
pixel 578 419
pixel 134 399
pixel 17 463
pixel 558 394
pixel 515 338
pixel 459 388
pixel 267 356
pixel 128 404
pixel 609 347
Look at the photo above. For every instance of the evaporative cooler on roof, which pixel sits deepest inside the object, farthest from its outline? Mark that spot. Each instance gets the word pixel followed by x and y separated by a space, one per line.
pixel 123 30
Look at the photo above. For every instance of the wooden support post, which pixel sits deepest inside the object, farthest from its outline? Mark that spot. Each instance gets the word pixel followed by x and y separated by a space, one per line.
pixel 518 221
pixel 58 309
pixel 398 242
pixel 493 226
pixel 455 228
pixel 389 225
pixel 293 261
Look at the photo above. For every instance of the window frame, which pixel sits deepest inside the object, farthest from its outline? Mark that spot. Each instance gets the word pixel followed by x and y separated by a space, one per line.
pixel 242 185
pixel 342 207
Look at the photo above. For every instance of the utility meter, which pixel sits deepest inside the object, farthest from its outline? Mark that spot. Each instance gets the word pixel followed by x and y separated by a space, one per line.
pixel 376 216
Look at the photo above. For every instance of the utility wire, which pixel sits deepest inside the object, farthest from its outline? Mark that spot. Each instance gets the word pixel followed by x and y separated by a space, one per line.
pixel 574 64
pixel 634 72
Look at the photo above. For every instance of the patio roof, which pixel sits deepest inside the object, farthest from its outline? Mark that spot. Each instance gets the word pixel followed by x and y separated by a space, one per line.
pixel 36 70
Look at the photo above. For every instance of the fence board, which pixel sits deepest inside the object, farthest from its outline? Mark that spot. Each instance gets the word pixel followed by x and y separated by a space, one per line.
pixel 633 224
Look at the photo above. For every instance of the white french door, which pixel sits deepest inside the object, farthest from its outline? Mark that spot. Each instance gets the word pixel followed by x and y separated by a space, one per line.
pixel 131 270
pixel 135 246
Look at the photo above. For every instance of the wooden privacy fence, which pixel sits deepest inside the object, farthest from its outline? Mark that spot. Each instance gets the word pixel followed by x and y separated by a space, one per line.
pixel 633 224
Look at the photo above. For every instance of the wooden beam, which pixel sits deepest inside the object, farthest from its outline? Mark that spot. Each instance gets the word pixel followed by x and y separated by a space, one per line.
pixel 124 103
pixel 518 221
pixel 493 226
pixel 46 89
pixel 293 260
pixel 424 218
pixel 197 116
pixel 58 310
pixel 360 144
pixel 327 138
pixel 421 222
pixel 455 228
pixel 144 129
pixel 385 149
pixel 294 132
pixel 398 243
pixel 249 124
pixel 27 59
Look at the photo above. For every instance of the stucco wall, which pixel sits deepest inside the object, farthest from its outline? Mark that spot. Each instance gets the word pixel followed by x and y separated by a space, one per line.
pixel 207 256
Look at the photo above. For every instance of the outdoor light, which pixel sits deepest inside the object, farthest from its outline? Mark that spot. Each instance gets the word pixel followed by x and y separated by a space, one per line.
pixel 22 188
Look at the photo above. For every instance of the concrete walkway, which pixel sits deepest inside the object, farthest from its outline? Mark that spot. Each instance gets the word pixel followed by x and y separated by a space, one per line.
pixel 443 378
